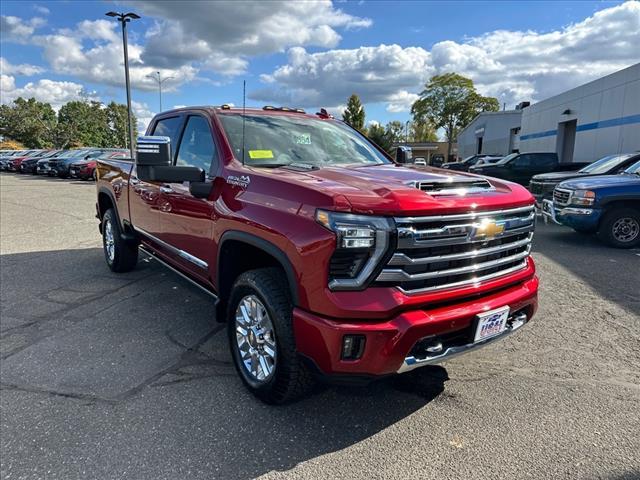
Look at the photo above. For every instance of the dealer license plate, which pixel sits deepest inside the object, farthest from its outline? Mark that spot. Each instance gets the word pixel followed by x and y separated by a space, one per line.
pixel 491 323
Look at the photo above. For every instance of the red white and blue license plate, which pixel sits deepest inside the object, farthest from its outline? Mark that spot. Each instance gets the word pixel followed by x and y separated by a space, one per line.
pixel 491 323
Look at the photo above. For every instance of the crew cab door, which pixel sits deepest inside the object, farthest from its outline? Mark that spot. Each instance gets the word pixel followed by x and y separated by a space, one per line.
pixel 144 196
pixel 519 169
pixel 188 222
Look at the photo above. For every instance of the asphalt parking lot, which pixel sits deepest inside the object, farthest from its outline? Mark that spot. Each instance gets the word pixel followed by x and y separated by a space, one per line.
pixel 128 376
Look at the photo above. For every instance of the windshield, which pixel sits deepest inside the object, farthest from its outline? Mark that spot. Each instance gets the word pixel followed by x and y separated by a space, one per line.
pixel 604 164
pixel 635 168
pixel 507 158
pixel 74 153
pixel 278 140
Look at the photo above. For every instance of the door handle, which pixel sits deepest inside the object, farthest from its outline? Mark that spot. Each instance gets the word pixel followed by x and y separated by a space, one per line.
pixel 134 181
pixel 166 189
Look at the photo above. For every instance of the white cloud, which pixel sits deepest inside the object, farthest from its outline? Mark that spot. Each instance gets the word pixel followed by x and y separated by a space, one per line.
pixel 93 52
pixel 377 74
pixel 512 66
pixel 22 69
pixel 42 10
pixel 15 29
pixel 401 101
pixel 143 115
pixel 223 34
pixel 45 90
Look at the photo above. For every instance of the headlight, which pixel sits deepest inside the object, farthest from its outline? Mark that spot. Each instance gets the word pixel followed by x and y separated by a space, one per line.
pixel 362 241
pixel 583 197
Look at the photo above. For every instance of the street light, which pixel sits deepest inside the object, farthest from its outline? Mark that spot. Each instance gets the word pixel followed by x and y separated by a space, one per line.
pixel 160 81
pixel 123 18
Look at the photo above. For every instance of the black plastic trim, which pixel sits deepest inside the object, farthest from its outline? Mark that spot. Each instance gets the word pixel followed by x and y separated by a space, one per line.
pixel 269 248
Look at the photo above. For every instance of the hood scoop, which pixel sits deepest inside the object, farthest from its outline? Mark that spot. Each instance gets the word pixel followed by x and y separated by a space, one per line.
pixel 452 186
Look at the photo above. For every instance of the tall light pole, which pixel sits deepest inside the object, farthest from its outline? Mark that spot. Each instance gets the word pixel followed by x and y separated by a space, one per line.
pixel 124 18
pixel 160 81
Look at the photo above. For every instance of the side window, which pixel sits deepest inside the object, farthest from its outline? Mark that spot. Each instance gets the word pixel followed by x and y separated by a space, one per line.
pixel 522 161
pixel 169 127
pixel 196 148
pixel 548 161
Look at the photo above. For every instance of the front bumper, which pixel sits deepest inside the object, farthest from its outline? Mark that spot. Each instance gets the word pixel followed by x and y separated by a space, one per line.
pixel 580 218
pixel 390 345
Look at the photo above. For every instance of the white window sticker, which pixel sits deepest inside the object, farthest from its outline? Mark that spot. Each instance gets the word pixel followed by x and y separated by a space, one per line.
pixel 302 139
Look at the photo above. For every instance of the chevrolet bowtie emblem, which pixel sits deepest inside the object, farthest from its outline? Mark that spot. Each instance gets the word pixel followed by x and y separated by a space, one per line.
pixel 488 229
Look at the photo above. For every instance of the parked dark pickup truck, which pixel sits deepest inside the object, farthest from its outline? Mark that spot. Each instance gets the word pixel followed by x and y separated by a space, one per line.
pixel 520 167
pixel 541 186
pixel 326 258
pixel 467 163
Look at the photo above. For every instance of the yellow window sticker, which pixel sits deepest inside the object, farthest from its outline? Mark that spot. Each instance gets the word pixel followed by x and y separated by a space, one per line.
pixel 260 154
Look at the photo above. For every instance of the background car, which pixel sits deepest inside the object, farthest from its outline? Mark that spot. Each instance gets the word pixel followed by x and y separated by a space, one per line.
pixel 14 163
pixel 541 186
pixel 7 156
pixel 86 169
pixel 30 164
pixel 60 166
pixel 463 165
pixel 520 167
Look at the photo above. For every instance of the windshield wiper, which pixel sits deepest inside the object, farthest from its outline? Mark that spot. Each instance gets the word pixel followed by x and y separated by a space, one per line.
pixel 268 165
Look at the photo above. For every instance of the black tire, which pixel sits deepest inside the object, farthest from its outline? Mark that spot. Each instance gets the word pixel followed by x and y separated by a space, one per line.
pixel 615 223
pixel 124 256
pixel 290 379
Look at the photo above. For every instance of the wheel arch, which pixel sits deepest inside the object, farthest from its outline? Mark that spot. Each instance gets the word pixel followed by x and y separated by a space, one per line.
pixel 239 252
pixel 619 202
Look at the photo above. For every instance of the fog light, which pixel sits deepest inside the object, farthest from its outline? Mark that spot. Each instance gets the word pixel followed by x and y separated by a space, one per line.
pixel 352 347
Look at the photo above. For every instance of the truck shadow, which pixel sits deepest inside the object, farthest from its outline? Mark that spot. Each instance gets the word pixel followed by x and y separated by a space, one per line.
pixel 608 271
pixel 141 352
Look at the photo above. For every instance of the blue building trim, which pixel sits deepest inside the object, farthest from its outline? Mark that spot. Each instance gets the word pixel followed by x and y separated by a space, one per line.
pixel 548 133
pixel 612 122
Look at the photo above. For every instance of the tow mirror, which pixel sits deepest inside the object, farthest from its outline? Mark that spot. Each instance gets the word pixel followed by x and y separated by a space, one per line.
pixel 403 154
pixel 153 151
pixel 154 163
pixel 172 174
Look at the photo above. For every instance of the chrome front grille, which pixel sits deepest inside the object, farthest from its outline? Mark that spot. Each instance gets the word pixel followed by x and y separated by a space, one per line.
pixel 450 251
pixel 561 197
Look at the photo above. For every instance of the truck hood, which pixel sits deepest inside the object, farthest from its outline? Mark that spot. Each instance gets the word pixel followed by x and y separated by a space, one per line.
pixel 387 189
pixel 557 176
pixel 602 181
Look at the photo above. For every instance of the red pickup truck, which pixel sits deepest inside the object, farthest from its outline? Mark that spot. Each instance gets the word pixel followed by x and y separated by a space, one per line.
pixel 326 257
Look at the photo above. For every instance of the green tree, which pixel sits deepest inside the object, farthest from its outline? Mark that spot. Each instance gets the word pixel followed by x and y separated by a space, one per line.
pixel 88 124
pixel 117 120
pixel 29 122
pixel 380 136
pixel 422 132
pixel 450 102
pixel 354 113
pixel 396 131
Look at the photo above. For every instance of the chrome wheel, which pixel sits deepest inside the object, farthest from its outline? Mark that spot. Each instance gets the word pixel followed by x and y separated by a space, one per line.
pixel 626 229
pixel 109 242
pixel 255 338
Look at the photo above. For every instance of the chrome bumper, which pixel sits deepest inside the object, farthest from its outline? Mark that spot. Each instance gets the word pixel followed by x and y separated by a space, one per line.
pixel 411 363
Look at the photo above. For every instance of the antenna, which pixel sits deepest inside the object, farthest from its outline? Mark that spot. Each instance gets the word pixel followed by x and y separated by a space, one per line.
pixel 244 97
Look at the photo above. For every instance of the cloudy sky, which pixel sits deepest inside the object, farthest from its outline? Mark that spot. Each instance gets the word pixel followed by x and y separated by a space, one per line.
pixel 311 54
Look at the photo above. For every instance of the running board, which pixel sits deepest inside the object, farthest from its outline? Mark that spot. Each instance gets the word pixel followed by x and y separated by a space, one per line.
pixel 151 254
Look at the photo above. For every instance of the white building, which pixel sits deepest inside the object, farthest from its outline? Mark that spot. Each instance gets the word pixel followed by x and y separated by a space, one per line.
pixel 588 122
pixel 493 133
